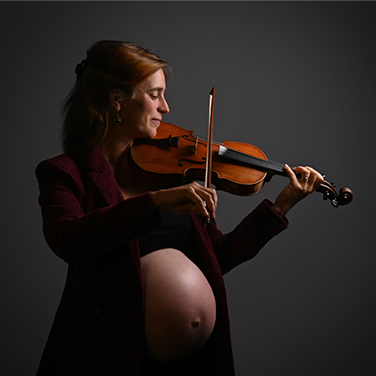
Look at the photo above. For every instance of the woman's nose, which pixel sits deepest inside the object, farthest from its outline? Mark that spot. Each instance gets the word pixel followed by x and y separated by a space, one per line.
pixel 163 108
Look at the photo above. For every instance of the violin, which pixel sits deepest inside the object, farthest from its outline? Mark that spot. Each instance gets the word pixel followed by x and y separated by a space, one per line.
pixel 175 155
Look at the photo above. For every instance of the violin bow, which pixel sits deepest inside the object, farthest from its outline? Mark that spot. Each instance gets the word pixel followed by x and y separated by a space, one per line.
pixel 209 154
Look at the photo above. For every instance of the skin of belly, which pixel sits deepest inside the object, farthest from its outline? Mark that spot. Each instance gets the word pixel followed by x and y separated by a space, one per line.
pixel 180 308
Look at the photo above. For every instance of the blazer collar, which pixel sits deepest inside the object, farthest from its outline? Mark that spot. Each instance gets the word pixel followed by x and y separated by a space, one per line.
pixel 99 172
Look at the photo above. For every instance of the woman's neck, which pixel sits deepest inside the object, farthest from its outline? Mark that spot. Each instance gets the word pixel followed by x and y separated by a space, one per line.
pixel 115 149
pixel 117 155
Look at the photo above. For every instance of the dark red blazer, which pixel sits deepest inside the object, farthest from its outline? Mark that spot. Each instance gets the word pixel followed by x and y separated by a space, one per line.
pixel 99 324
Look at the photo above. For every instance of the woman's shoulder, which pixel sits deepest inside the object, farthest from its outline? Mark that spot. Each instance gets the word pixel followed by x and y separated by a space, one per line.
pixel 74 164
pixel 64 162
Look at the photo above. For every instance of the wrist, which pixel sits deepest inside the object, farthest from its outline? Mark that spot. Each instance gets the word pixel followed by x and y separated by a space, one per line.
pixel 281 208
pixel 278 210
pixel 157 199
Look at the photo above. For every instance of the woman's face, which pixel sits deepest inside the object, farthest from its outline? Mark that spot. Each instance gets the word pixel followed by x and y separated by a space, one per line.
pixel 142 114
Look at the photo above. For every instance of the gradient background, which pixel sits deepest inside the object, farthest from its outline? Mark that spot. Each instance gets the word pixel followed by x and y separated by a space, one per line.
pixel 297 80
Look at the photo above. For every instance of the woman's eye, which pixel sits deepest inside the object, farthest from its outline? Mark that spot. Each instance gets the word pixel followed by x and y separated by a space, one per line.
pixel 154 96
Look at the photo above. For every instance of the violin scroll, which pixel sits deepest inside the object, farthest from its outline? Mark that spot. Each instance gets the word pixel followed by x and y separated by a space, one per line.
pixel 328 190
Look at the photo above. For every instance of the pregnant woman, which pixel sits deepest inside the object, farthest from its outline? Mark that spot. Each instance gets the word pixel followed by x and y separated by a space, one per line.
pixel 144 293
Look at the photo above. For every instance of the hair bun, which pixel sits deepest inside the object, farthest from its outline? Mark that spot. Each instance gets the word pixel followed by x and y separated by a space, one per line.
pixel 80 68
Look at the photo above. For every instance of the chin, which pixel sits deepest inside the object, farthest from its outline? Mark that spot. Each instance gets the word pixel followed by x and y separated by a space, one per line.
pixel 153 133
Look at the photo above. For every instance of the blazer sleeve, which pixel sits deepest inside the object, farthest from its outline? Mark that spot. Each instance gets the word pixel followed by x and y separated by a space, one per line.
pixel 248 237
pixel 76 235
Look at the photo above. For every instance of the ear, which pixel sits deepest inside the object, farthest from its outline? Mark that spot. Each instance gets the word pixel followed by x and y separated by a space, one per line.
pixel 115 100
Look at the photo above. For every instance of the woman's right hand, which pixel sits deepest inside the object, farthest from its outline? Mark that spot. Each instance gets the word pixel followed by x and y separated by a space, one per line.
pixel 191 198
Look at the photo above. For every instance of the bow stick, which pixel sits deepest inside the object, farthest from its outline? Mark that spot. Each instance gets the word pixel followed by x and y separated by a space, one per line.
pixel 208 168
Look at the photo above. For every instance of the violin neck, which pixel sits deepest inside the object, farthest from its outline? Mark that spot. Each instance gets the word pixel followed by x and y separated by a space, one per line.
pixel 271 167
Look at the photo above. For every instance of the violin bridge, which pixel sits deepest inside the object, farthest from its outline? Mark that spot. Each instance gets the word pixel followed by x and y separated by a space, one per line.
pixel 196 145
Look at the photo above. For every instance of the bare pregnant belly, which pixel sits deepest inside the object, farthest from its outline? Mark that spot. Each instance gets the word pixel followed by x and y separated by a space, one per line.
pixel 180 305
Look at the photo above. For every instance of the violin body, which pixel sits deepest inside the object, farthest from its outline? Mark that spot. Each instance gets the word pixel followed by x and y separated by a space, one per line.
pixel 175 156
pixel 171 165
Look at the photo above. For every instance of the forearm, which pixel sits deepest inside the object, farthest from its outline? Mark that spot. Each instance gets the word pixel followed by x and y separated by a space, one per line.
pixel 77 223
pixel 75 238
pixel 249 236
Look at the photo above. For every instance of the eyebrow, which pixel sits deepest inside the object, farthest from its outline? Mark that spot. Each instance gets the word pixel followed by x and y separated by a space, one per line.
pixel 156 89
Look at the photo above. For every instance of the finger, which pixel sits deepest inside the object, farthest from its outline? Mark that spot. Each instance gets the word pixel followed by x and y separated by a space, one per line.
pixel 198 199
pixel 291 174
pixel 209 197
pixel 315 177
pixel 304 174
pixel 213 200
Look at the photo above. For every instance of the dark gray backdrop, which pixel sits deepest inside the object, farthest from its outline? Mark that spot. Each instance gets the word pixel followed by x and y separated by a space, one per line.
pixel 296 79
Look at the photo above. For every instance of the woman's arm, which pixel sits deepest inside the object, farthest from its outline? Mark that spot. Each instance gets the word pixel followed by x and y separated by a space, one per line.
pixel 265 222
pixel 75 235
pixel 248 237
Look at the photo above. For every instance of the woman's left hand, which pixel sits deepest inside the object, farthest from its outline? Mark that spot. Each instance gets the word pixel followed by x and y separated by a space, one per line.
pixel 297 189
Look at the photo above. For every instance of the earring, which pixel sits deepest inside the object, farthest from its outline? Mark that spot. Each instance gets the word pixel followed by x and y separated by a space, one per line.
pixel 118 119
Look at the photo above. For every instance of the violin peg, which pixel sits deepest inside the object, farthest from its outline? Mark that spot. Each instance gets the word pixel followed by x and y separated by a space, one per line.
pixel 335 202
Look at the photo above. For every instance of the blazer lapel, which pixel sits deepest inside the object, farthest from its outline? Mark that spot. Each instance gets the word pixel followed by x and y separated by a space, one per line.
pixel 99 172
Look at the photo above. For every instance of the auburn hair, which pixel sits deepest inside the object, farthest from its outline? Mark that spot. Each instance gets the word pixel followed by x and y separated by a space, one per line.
pixel 109 66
